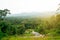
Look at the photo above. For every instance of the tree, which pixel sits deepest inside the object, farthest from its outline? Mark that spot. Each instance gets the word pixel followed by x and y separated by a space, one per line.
pixel 3 13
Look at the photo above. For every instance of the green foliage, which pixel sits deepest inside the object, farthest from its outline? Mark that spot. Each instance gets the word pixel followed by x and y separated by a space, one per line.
pixel 48 26
pixel 4 26
pixel 3 13
pixel 20 30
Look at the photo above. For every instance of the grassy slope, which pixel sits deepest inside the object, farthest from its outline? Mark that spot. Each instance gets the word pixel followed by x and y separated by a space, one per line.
pixel 31 38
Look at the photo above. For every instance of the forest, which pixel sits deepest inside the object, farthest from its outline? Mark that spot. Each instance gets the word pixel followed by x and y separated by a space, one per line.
pixel 18 26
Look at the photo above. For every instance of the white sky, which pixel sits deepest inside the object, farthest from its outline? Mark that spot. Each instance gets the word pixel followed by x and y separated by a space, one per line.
pixel 18 6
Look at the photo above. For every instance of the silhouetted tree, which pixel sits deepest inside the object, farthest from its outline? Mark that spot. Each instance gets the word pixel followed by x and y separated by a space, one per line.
pixel 3 13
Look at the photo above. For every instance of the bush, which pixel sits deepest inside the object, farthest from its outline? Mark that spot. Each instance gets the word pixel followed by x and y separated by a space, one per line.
pixel 20 30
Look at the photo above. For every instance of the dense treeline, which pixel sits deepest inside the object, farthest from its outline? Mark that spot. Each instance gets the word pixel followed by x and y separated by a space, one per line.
pixel 41 25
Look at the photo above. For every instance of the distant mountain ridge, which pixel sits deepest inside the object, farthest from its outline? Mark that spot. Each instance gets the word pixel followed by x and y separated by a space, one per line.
pixel 32 14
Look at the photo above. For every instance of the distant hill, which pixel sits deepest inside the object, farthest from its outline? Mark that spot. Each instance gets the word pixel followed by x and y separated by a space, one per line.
pixel 32 14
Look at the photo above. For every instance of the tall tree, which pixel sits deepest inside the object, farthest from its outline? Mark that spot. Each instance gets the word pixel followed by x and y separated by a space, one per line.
pixel 3 13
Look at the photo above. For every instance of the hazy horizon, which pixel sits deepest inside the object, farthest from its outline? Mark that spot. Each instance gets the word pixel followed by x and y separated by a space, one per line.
pixel 19 6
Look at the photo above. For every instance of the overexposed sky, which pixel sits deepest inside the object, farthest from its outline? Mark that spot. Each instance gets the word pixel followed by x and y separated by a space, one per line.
pixel 19 6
